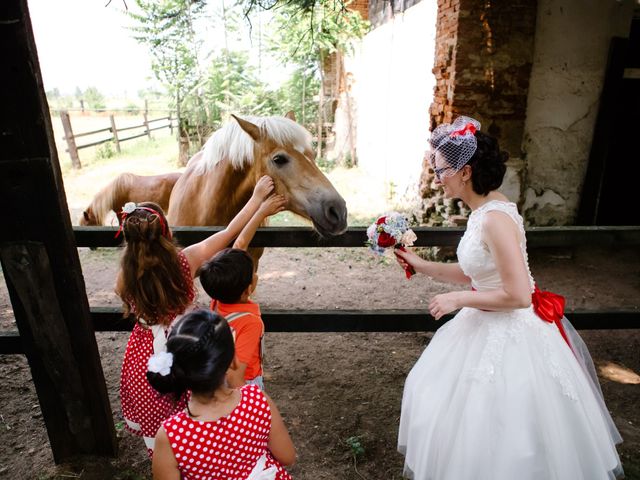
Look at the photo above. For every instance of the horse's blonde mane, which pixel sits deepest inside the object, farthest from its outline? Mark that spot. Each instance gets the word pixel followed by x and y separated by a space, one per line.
pixel 233 143
pixel 108 198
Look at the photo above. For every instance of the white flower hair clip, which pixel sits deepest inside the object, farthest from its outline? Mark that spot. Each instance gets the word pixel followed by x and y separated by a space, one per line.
pixel 129 207
pixel 161 363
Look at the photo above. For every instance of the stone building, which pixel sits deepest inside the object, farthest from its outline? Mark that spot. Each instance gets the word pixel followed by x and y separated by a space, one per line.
pixel 549 78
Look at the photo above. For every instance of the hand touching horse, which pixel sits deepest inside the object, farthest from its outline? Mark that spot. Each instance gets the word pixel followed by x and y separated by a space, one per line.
pixel 128 187
pixel 219 179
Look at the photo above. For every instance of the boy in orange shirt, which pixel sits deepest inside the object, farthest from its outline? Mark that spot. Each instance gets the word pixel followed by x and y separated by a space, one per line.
pixel 229 279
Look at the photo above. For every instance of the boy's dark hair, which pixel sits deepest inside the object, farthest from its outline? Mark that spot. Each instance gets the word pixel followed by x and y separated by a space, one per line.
pixel 227 275
pixel 202 346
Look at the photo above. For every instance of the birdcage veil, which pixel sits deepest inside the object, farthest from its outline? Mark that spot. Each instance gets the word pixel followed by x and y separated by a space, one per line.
pixel 456 143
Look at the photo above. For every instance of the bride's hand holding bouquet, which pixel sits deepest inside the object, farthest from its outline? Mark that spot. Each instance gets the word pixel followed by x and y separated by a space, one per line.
pixel 392 231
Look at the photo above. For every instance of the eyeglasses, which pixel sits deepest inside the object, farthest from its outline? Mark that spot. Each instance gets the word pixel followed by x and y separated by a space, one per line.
pixel 440 171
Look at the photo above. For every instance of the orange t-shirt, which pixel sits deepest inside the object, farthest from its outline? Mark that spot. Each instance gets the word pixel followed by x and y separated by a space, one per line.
pixel 247 333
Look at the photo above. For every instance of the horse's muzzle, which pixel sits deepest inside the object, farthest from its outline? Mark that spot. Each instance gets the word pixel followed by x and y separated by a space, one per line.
pixel 331 218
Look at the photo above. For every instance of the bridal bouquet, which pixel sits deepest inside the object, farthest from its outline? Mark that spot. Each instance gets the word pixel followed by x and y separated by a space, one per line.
pixel 391 231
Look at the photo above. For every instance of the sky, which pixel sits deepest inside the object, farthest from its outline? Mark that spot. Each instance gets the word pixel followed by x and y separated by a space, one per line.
pixel 83 43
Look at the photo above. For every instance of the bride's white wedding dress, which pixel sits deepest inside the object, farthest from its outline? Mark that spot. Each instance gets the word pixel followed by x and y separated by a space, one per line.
pixel 500 395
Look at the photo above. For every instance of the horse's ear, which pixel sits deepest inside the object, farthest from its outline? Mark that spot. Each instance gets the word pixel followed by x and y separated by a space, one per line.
pixel 250 128
pixel 291 115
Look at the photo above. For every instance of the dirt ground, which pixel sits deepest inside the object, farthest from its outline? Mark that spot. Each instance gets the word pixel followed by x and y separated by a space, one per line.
pixel 339 393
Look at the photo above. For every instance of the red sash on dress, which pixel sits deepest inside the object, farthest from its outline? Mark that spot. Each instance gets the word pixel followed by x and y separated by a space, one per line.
pixel 549 307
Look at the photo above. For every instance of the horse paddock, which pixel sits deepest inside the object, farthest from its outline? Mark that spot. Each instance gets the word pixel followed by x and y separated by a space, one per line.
pixel 339 393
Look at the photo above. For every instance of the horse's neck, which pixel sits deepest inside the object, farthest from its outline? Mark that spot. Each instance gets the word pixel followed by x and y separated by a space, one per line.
pixel 230 190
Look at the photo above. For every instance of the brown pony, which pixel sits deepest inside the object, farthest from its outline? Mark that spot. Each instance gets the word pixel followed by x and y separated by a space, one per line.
pixel 219 179
pixel 128 187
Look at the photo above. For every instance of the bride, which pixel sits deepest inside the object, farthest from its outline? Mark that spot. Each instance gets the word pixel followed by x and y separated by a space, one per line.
pixel 507 389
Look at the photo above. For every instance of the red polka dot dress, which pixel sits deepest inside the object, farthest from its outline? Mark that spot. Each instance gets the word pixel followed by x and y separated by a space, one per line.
pixel 143 408
pixel 228 448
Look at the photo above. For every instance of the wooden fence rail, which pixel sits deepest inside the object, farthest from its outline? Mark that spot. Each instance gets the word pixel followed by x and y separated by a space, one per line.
pixel 107 319
pixel 73 147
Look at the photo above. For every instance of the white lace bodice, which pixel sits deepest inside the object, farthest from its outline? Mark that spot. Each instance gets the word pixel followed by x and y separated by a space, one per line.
pixel 474 256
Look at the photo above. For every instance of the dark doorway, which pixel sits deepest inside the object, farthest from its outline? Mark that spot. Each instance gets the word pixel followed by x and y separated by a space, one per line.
pixel 610 191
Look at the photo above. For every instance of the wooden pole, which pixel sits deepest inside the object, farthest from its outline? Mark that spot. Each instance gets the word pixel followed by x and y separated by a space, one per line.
pixel 146 124
pixel 40 259
pixel 114 131
pixel 170 124
pixel 71 141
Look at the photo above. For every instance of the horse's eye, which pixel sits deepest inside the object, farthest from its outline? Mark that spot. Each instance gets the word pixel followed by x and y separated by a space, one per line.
pixel 280 160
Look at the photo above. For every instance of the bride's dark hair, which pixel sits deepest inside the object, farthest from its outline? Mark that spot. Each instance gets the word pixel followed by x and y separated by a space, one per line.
pixel 487 164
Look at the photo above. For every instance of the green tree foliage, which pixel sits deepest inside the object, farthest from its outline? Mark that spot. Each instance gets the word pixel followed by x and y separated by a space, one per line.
pixel 93 98
pixel 167 28
pixel 304 34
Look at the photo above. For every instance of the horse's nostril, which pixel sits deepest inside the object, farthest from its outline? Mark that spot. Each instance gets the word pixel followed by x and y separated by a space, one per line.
pixel 332 215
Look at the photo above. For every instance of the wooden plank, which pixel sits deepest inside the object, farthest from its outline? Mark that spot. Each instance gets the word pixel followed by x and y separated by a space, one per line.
pixel 70 139
pixel 93 144
pixel 93 132
pixel 356 236
pixel 107 319
pixel 11 344
pixel 63 400
pixel 36 231
pixel 114 132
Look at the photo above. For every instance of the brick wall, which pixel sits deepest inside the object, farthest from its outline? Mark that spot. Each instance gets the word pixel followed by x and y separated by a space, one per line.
pixel 484 54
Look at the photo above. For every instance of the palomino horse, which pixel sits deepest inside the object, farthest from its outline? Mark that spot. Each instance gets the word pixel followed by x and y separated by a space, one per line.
pixel 128 187
pixel 220 178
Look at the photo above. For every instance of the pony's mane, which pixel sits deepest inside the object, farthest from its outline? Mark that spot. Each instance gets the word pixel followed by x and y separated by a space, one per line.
pixel 106 199
pixel 233 143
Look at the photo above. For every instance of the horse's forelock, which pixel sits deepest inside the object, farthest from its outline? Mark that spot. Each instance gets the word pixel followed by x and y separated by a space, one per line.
pixel 231 142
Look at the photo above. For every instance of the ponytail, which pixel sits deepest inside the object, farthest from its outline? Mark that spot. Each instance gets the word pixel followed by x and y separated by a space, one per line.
pixel 200 348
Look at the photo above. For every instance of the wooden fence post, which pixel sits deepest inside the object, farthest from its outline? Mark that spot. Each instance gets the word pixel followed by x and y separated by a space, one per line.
pixel 114 132
pixel 146 125
pixel 71 141
pixel 40 258
pixel 170 124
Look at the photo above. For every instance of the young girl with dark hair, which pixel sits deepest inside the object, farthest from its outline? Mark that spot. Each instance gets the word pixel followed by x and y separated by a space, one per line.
pixel 155 283
pixel 507 388
pixel 223 433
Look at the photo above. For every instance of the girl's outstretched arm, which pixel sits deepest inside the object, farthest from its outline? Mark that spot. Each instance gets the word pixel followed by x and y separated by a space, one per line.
pixel 280 443
pixel 164 465
pixel 200 252
pixel 270 206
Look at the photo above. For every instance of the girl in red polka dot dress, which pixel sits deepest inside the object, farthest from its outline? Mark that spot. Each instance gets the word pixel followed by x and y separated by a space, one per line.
pixel 155 283
pixel 224 433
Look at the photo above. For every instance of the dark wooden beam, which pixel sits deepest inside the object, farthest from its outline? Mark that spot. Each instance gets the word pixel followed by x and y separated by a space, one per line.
pixel 40 259
pixel 356 236
pixel 319 321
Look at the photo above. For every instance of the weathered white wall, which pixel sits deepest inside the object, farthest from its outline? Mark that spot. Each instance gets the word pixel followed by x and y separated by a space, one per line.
pixel 392 89
pixel 570 55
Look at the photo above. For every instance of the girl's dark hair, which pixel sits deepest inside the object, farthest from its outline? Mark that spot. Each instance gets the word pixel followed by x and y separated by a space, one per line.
pixel 487 164
pixel 151 281
pixel 202 346
pixel 227 275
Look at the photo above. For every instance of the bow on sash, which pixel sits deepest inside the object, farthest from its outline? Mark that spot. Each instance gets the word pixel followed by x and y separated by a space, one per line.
pixel 550 308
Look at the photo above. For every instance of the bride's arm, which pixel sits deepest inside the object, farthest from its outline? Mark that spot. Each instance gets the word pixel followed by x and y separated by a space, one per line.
pixel 442 272
pixel 501 235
